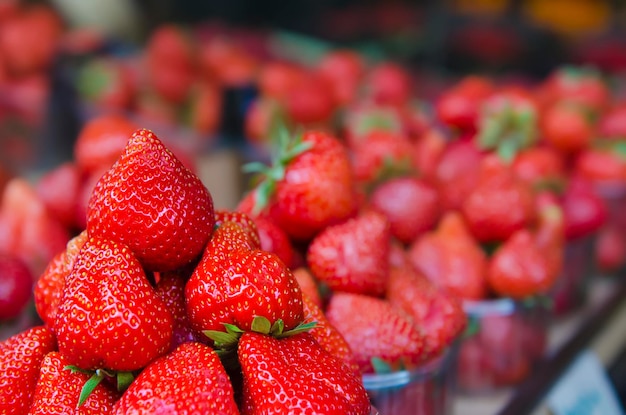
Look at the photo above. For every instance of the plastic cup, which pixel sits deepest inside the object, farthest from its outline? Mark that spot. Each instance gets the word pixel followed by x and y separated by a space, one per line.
pixel 427 390
pixel 503 342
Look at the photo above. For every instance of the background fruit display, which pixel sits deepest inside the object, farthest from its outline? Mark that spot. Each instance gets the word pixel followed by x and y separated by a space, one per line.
pixel 403 235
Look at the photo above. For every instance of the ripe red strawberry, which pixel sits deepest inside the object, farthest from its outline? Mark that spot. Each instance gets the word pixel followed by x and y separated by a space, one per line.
pixel 451 258
pixel 16 285
pixel 567 127
pixel 410 204
pixel 308 285
pixel 540 166
pixel 274 239
pixel 457 172
pixel 310 187
pixel 205 112
pixel 499 205
pixel 376 332
pixel 128 324
pixel 234 284
pixel 343 70
pixel 59 189
pixel 247 223
pixel 437 314
pixel 108 83
pixel 296 375
pixel 49 287
pixel 101 141
pixel 610 249
pixel 190 379
pixel 585 212
pixel 353 256
pixel 459 106
pixel 150 201
pixel 389 83
pixel 327 335
pixel 20 358
pixel 310 102
pixel 58 390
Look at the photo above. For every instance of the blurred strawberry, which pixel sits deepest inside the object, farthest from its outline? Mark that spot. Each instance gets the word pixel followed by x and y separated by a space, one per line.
pixel 205 109
pixel 612 123
pixel 578 85
pixel 567 128
pixel 277 78
pixel 107 83
pixel 308 285
pixel 363 118
pixel 610 249
pixel 310 102
pixel 16 286
pixel 227 62
pixel 457 173
pixel 540 167
pixel 389 83
pixel 451 258
pixel 59 190
pixel 604 165
pixel 427 153
pixel 274 239
pixel 459 106
pixel 344 70
pixel 585 212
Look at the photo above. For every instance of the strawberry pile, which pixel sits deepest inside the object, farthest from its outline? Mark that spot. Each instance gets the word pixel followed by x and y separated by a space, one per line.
pixel 163 304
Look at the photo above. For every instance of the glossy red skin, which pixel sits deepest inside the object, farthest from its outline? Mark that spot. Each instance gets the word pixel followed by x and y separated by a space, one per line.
pixel 59 190
pixel 353 256
pixel 411 205
pixel 15 286
pixel 308 285
pixel 377 330
pixel 388 83
pixel 344 70
pixel 566 128
pixel 457 173
pixel 539 165
pixel 380 153
pixel 190 379
pixel 234 283
pixel 438 314
pixel 585 212
pixel 451 258
pixel 317 189
pixel 277 379
pixel 248 224
pixel 274 239
pixel 101 141
pixel 327 335
pixel 20 358
pixel 58 390
pixel 129 325
pixel 150 201
pixel 499 204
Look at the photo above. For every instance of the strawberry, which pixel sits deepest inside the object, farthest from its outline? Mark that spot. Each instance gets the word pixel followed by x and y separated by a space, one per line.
pixel 457 172
pixel 310 102
pixel 171 289
pixel 353 256
pixel 101 141
pixel 327 335
pixel 129 325
pixel 59 189
pixel 437 314
pixel 540 166
pixel 274 239
pixel 58 391
pixel 247 223
pixel 190 379
pixel 205 112
pixel 427 152
pixel 296 375
pixel 459 106
pixel 308 285
pixel 410 204
pixel 567 128
pixel 363 118
pixel 276 78
pixel 20 358
pixel 499 205
pixel 49 287
pixel 610 249
pixel 451 258
pixel 389 83
pixel 309 187
pixel 585 212
pixel 234 284
pixel 150 201
pixel 343 70
pixel 378 334
pixel 16 286
pixel 107 83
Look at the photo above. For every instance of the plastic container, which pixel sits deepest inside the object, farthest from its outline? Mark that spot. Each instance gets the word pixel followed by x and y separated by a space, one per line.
pixel 570 291
pixel 503 342
pixel 428 390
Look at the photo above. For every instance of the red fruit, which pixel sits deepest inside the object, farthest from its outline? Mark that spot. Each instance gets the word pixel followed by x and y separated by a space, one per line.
pixel 86 189
pixel 59 190
pixel 427 152
pixel 457 173
pixel 49 289
pixel 16 286
pixel 27 229
pixel 353 256
pixel 539 166
pixel 343 69
pixel 150 201
pixel 450 257
pixel 276 79
pixel 310 101
pixel 248 224
pixel 259 120
pixel 363 118
pixel 190 379
pixel 436 313
pixel 20 358
pixel 376 331
pixel 410 205
pixel 389 84
pixel 459 106
pixel 129 325
pixel 612 124
pixel 171 289
pixel 205 112
pixel 610 249
pixel 316 188
pixel 58 390
pixel 308 285
pixel 580 86
pixel 567 128
pixel 585 212
pixel 296 375
pixel 274 239
pixel 234 284
pixel 499 205
pixel 107 83
pixel 327 335
pixel 381 155
pixel 101 142
pixel 601 166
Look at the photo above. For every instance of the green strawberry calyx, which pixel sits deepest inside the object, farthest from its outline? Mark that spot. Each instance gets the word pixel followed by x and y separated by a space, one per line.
pixel 229 338
pixel 288 148
pixel 123 379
